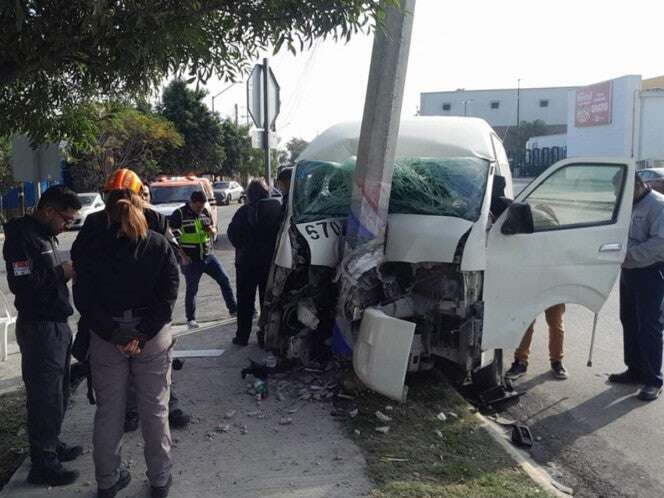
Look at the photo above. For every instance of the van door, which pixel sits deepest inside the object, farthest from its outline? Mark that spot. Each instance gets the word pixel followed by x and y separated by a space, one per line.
pixel 562 241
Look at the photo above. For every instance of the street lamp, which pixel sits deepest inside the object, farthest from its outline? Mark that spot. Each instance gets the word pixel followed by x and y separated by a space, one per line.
pixel 223 91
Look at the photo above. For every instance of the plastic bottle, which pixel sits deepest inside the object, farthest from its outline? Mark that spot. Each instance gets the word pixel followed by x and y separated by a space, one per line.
pixel 260 388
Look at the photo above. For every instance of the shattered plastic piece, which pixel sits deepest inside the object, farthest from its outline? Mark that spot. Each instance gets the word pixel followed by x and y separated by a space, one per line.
pixel 382 417
pixel 291 410
pixel 452 414
pixel 307 313
pixel 285 421
pixel 442 417
pixel 353 413
pixel 223 428
pixel 439 434
pixel 244 430
pixel 345 396
pixel 254 413
pixel 389 408
pixel 383 430
pixel 230 414
pixel 357 432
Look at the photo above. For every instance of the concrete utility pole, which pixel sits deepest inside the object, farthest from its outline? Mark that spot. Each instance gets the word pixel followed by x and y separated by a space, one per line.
pixel 266 123
pixel 380 127
pixel 372 181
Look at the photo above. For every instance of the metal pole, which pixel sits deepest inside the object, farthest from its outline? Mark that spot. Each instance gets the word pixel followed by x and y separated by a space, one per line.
pixel 266 123
pixel 518 100
pixel 236 115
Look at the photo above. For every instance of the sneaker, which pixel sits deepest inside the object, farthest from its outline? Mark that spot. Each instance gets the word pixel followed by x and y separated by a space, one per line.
pixel 518 369
pixel 123 481
pixel 68 453
pixel 56 475
pixel 240 342
pixel 626 377
pixel 649 393
pixel 161 491
pixel 193 324
pixel 178 419
pixel 558 370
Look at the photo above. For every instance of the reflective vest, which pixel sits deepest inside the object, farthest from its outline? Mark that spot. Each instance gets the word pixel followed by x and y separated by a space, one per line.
pixel 192 234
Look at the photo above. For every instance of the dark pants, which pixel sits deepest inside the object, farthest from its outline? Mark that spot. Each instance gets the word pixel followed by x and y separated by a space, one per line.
pixel 641 295
pixel 45 357
pixel 248 278
pixel 192 275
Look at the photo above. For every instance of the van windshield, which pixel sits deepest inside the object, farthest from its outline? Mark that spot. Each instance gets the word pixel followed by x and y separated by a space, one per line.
pixel 427 186
pixel 162 194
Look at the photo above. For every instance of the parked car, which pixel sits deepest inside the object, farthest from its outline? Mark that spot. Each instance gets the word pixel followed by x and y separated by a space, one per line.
pixel 170 193
pixel 458 278
pixel 227 192
pixel 654 177
pixel 91 202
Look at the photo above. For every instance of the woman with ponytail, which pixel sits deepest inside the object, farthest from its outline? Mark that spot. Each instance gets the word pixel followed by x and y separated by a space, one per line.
pixel 126 292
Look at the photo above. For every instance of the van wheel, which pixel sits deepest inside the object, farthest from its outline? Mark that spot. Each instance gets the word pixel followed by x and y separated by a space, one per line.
pixel 491 375
pixel 228 200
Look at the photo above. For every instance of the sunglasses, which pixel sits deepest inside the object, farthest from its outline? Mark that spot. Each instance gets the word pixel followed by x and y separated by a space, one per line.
pixel 67 220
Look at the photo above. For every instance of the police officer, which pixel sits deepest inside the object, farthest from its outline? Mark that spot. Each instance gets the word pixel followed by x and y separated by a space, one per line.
pixel 641 294
pixel 38 278
pixel 192 224
pixel 88 242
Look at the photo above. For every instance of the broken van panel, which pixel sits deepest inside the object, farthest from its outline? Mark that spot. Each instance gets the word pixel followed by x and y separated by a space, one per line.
pixel 465 276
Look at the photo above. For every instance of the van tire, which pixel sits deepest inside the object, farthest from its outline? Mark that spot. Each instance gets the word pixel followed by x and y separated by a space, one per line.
pixel 491 375
pixel 228 200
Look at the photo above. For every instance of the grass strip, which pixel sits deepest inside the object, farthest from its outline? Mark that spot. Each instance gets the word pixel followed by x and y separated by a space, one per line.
pixel 424 456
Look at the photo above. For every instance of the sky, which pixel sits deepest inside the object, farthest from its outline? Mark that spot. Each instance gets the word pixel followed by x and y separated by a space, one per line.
pixel 471 44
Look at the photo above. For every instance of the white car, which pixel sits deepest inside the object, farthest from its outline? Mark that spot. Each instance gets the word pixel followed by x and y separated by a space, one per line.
pixel 227 192
pixel 463 271
pixel 91 202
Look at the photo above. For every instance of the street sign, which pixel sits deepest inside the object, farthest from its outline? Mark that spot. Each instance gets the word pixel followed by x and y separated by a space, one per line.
pixel 258 140
pixel 256 96
pixel 34 165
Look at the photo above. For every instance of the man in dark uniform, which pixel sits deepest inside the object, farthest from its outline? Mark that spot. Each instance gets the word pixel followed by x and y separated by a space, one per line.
pixel 192 224
pixel 38 278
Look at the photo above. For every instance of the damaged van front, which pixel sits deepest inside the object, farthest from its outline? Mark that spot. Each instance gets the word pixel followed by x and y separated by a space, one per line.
pixel 429 292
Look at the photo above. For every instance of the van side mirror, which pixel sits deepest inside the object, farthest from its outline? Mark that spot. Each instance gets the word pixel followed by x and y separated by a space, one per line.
pixel 519 219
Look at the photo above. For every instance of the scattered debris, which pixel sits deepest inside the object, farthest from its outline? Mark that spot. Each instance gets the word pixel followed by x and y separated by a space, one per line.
pixel 561 487
pixel 357 432
pixel 389 408
pixel 230 414
pixel 439 434
pixel 345 396
pixel 442 417
pixel 244 430
pixel 223 428
pixel 354 413
pixel 391 459
pixel 384 429
pixel 285 421
pixel 253 413
pixel 280 397
pixel 382 417
pixel 453 415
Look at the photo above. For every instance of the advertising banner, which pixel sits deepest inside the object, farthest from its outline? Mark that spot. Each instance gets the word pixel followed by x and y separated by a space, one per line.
pixel 594 105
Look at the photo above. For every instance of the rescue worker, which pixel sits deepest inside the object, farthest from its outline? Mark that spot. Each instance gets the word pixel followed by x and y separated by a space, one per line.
pixel 90 240
pixel 38 278
pixel 126 293
pixel 642 292
pixel 253 232
pixel 195 231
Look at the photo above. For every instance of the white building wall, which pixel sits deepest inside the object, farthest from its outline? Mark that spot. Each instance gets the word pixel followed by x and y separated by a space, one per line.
pixel 477 103
pixel 614 139
pixel 651 129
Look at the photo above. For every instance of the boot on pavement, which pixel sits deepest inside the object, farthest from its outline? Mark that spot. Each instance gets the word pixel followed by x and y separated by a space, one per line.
pixel 53 475
pixel 517 370
pixel 649 393
pixel 123 481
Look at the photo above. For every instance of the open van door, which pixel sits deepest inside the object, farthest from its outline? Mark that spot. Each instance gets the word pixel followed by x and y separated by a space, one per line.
pixel 562 241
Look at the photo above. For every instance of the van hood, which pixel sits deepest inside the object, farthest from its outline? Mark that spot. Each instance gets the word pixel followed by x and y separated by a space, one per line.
pixel 167 208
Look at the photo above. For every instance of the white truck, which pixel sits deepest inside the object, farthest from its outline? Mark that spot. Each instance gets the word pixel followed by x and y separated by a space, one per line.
pixel 463 271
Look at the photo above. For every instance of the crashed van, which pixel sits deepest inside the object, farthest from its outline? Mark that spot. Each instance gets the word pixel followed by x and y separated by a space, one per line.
pixel 465 267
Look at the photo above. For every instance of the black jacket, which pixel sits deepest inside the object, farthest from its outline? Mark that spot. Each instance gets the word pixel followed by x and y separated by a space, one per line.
pixel 34 271
pixel 123 275
pixel 253 232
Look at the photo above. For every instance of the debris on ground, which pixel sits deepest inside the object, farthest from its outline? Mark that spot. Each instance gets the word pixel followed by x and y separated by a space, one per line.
pixel 285 421
pixel 382 417
pixel 383 430
pixel 230 414
pixel 353 413
pixel 561 487
pixel 442 417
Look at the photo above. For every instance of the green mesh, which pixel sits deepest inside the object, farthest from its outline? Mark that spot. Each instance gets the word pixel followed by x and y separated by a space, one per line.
pixel 438 187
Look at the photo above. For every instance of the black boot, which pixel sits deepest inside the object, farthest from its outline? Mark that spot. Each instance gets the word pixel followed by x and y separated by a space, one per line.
pixel 161 491
pixel 52 475
pixel 178 419
pixel 131 421
pixel 68 453
pixel 123 481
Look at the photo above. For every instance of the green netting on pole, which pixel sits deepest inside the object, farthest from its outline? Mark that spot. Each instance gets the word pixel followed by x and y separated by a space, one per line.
pixel 426 186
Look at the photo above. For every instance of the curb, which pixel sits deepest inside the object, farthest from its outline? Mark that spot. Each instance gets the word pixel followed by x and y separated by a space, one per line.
pixel 522 459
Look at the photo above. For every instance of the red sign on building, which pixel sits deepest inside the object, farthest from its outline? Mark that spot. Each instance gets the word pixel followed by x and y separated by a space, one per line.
pixel 594 104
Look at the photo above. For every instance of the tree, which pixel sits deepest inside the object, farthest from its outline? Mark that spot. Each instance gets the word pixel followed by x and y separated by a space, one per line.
pixel 237 146
pixel 6 176
pixel 295 146
pixel 515 141
pixel 203 149
pixel 57 54
pixel 125 137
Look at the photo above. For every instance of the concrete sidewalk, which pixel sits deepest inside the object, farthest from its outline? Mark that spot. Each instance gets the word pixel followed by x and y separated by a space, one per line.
pixel 258 456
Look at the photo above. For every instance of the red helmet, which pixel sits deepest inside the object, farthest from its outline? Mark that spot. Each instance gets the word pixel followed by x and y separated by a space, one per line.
pixel 123 178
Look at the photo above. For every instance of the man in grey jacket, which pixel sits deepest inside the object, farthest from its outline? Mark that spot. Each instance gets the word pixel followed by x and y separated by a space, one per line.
pixel 641 294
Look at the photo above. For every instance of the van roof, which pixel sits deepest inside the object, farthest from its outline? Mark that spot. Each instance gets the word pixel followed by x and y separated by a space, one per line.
pixel 423 136
pixel 178 181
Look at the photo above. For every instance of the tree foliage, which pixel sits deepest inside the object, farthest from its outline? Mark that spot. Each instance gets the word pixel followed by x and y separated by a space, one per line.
pixel 203 149
pixel 6 177
pixel 125 138
pixel 515 141
pixel 295 146
pixel 57 54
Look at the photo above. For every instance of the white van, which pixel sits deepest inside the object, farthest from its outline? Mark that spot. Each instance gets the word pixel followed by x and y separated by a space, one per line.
pixel 463 271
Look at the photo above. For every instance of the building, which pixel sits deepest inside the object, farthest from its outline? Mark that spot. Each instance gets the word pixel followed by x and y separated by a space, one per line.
pixel 622 117
pixel 502 108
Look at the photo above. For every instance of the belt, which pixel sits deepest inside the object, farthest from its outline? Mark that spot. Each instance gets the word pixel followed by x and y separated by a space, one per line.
pixel 129 314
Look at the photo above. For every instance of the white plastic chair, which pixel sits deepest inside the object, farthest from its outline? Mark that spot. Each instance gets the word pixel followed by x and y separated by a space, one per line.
pixel 6 319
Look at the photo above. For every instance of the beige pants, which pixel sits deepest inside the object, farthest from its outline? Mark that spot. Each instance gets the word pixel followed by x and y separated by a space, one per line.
pixel 150 373
pixel 554 319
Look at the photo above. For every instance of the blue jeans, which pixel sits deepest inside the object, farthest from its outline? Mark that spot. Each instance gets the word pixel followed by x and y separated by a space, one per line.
pixel 192 276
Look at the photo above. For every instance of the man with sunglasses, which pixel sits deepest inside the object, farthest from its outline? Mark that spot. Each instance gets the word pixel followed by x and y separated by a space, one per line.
pixel 38 278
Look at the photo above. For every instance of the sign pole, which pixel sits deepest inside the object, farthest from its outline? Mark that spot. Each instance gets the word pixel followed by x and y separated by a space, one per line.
pixel 266 123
